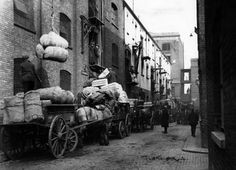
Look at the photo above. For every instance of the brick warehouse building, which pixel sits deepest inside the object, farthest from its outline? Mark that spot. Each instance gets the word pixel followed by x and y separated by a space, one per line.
pixel 23 23
pixel 217 50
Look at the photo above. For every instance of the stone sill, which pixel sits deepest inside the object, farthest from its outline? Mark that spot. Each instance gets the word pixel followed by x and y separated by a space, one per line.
pixel 219 138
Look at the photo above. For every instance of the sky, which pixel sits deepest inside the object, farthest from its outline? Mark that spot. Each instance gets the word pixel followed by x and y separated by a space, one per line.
pixel 170 16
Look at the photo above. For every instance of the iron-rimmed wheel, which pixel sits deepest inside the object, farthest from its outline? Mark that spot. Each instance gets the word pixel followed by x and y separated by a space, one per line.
pixel 128 125
pixel 57 137
pixel 121 130
pixel 72 140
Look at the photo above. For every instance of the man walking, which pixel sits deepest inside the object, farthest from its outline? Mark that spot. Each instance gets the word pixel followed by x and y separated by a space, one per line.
pixel 193 121
pixel 165 118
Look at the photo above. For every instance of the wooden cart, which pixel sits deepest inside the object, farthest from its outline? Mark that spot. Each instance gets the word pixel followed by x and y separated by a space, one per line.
pixel 121 121
pixel 59 132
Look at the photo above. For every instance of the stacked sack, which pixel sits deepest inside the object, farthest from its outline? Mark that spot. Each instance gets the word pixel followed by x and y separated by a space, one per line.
pixel 52 47
pixel 56 95
pixel 100 103
pixel 23 108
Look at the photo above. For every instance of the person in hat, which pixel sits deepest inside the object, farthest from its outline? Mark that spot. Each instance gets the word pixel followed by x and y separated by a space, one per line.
pixel 165 117
pixel 193 121
pixel 28 74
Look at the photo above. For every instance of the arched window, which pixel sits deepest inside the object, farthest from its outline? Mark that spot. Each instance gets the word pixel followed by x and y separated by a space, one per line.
pixel 115 55
pixel 65 80
pixel 114 14
pixel 65 27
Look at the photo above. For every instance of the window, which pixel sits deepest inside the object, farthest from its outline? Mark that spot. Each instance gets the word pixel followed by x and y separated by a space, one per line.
pixel 18 87
pixel 65 27
pixel 65 80
pixel 24 14
pixel 166 47
pixel 147 71
pixel 186 76
pixel 114 14
pixel 93 8
pixel 115 59
pixel 186 88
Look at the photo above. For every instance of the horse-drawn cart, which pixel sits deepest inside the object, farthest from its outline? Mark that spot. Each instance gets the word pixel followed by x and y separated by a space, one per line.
pixel 58 131
pixel 121 121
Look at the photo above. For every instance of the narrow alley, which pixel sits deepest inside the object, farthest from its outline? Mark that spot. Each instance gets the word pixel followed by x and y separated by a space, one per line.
pixel 144 151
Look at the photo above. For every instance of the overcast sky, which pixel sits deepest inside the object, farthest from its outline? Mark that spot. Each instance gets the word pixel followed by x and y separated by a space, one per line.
pixel 170 16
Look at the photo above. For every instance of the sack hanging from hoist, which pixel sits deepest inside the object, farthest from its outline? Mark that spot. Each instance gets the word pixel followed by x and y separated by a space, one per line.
pixel 55 54
pixel 53 39
pixel 52 47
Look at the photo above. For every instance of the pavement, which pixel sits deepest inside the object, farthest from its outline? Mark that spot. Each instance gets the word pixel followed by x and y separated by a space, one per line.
pixel 193 144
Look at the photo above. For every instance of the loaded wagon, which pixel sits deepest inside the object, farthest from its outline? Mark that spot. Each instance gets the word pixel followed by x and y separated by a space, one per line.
pixel 58 131
pixel 147 115
pixel 142 115
pixel 121 121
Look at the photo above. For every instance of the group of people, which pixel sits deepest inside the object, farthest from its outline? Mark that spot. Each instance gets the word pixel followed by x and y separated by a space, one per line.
pixel 193 118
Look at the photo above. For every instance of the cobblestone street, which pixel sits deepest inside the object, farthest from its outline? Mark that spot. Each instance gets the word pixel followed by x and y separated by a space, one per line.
pixel 147 150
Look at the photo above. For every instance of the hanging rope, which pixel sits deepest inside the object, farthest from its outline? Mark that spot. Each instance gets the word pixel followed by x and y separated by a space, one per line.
pixel 52 17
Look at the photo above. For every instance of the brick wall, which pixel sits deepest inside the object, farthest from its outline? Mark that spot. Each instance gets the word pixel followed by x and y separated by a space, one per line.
pixel 220 80
pixel 7 48
pixel 114 34
pixel 202 71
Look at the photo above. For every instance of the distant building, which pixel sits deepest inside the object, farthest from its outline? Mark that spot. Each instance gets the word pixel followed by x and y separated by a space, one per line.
pixel 173 48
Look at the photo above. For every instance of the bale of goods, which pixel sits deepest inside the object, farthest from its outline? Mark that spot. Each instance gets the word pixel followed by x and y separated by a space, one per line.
pixel 123 97
pixel 115 88
pixel 70 97
pixel 55 54
pixel 84 114
pixel 63 97
pixel 14 107
pixel 33 108
pixel 53 39
pixel 47 93
pixel 87 91
pixel 39 51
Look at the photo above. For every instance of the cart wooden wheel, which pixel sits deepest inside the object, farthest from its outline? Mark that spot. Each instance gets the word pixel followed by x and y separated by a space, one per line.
pixel 121 130
pixel 11 143
pixel 57 137
pixel 72 140
pixel 128 125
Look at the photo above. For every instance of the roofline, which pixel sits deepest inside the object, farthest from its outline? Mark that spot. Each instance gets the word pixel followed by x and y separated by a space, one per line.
pixel 137 19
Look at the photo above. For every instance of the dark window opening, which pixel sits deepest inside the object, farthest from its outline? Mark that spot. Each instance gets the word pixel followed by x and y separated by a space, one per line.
pixel 18 87
pixel 93 8
pixel 114 14
pixel 65 80
pixel 166 47
pixel 65 27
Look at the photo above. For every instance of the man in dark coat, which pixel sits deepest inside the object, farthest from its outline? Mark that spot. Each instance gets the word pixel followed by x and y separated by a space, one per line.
pixel 165 118
pixel 28 74
pixel 193 121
